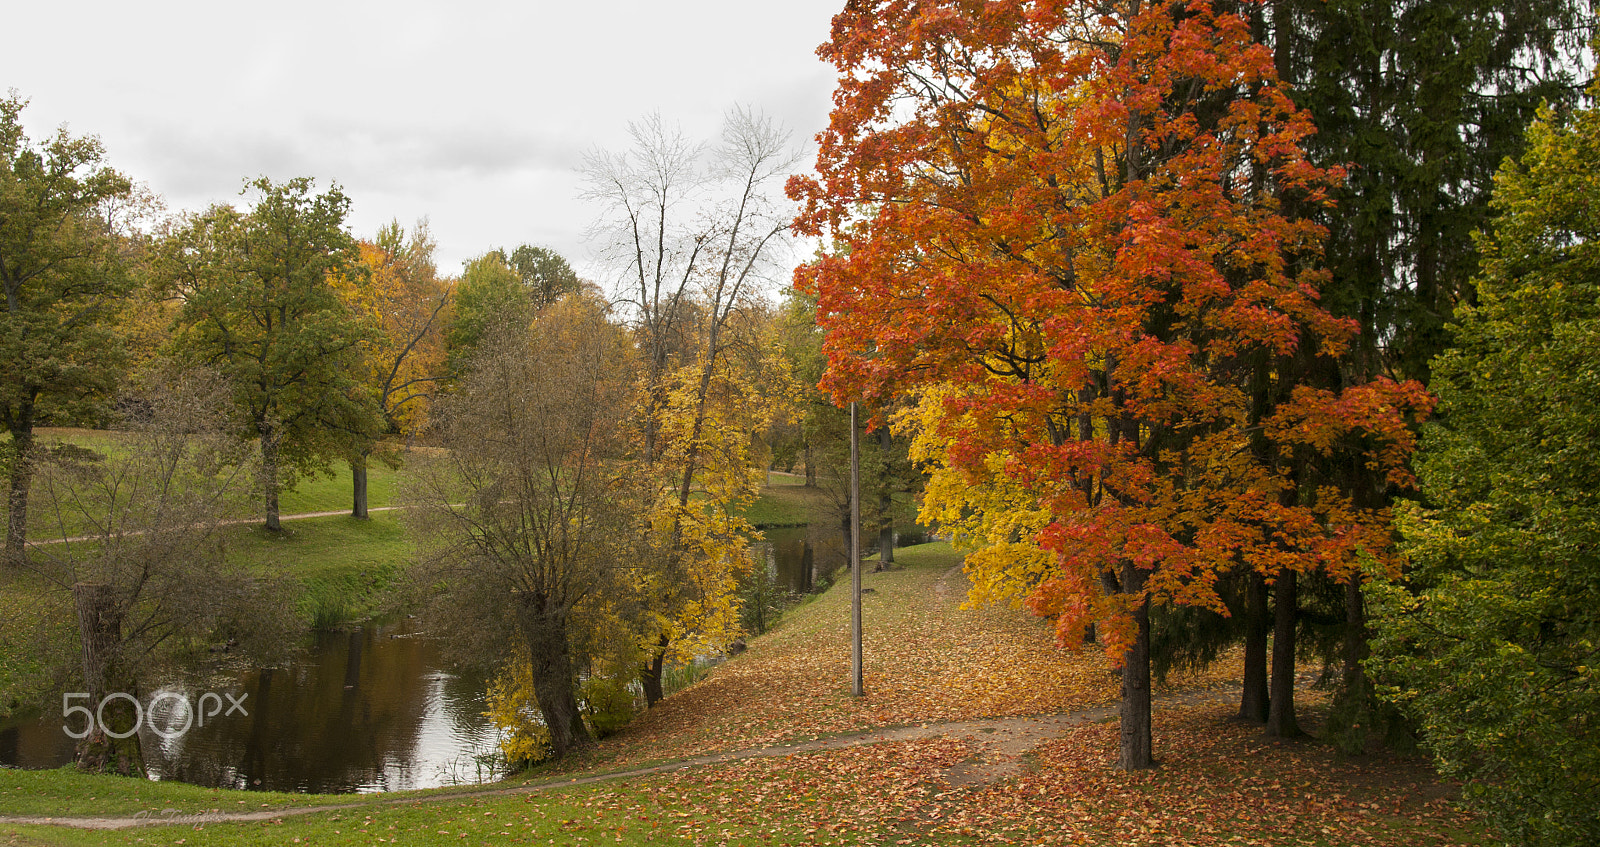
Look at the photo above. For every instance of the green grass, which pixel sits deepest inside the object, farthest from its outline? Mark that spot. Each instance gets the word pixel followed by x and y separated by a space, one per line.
pixel 343 562
pixel 788 505
pixel 314 493
pixel 64 792
pixel 334 493
pixel 649 812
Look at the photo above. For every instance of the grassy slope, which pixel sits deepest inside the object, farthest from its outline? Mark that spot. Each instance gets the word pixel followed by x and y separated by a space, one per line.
pixel 316 493
pixel 787 502
pixel 927 660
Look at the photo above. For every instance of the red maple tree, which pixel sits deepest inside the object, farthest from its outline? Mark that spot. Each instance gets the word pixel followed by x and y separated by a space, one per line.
pixel 1077 219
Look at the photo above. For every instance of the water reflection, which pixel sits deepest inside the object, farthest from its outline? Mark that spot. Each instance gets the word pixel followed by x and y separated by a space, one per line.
pixel 799 557
pixel 373 709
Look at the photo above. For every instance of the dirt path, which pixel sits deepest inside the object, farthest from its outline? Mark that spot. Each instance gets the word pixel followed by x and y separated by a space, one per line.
pixel 1000 744
pixel 236 522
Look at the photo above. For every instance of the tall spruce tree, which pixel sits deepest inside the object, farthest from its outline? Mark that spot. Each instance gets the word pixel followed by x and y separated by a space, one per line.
pixel 1419 101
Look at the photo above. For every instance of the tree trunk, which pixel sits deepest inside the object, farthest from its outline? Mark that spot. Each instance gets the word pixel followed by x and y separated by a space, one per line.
pixel 650 675
pixel 17 496
pixel 554 680
pixel 885 505
pixel 1253 701
pixel 1280 708
pixel 358 485
pixel 811 470
pixel 1135 716
pixel 1354 711
pixel 114 709
pixel 269 477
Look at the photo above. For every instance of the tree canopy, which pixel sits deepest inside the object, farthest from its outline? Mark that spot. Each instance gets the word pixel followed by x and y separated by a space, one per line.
pixel 260 306
pixel 1075 236
pixel 63 280
pixel 1491 643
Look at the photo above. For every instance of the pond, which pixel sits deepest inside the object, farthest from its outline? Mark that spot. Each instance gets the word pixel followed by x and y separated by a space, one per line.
pixel 798 557
pixel 372 709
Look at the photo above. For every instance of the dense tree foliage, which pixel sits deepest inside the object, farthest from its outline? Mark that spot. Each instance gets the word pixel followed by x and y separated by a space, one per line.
pixel 261 307
pixel 397 290
pixel 1491 644
pixel 500 286
pixel 1070 227
pixel 1420 100
pixel 63 281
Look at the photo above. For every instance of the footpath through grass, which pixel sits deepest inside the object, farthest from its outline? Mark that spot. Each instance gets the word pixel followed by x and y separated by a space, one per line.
pixel 928 660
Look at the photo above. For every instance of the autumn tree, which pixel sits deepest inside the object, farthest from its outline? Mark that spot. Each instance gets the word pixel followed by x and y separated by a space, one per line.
pixel 533 516
pixel 260 306
pixel 1419 102
pixel 63 280
pixel 694 234
pixel 1070 228
pixel 488 294
pixel 399 293
pixel 1489 644
pixel 137 558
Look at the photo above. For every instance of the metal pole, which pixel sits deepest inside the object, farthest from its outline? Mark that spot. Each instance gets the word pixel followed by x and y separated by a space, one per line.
pixel 857 688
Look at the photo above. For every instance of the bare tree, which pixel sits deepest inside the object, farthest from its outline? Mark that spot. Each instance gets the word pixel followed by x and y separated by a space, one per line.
pixel 137 546
pixel 531 510
pixel 694 232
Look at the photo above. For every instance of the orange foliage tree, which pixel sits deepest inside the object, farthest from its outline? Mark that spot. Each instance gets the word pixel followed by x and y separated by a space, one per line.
pixel 399 292
pixel 1071 226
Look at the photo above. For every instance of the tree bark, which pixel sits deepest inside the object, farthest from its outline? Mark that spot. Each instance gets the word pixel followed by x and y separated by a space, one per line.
pixel 100 630
pixel 1281 721
pixel 650 675
pixel 554 680
pixel 17 496
pixel 269 477
pixel 358 485
pixel 1355 711
pixel 1253 701
pixel 1135 753
pixel 1355 635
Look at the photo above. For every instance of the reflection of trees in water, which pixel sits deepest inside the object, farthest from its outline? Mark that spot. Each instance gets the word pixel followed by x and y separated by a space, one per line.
pixel 347 717
pixel 366 709
pixel 803 555
pixel 34 742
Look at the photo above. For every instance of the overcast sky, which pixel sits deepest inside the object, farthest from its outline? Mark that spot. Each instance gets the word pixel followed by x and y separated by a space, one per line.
pixel 473 114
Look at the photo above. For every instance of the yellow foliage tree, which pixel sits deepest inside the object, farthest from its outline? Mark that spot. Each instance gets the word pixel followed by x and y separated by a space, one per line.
pixel 402 296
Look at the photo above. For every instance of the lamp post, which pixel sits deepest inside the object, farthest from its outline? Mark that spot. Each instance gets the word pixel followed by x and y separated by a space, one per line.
pixel 857 688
